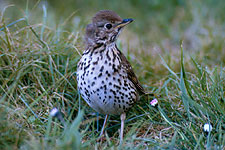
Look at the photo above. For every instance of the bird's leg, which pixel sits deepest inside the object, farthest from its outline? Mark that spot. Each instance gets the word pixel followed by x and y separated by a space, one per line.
pixel 122 117
pixel 104 124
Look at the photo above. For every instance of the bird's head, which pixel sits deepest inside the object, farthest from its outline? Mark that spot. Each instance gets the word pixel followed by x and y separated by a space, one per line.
pixel 105 28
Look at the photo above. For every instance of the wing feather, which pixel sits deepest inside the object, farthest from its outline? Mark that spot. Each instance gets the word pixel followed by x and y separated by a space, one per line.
pixel 130 73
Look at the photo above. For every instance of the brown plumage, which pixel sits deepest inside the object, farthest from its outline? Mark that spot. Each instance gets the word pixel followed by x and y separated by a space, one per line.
pixel 107 15
pixel 105 78
pixel 131 75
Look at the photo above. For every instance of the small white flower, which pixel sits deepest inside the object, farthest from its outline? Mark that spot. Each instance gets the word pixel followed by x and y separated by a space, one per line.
pixel 54 112
pixel 207 127
pixel 154 102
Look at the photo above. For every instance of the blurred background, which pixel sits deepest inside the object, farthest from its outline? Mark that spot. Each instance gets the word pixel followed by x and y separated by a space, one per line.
pixel 160 25
pixel 40 45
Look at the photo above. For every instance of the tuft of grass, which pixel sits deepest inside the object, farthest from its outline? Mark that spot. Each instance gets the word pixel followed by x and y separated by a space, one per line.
pixel 38 57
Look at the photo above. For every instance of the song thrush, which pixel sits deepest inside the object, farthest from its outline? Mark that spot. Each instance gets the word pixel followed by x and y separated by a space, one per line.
pixel 105 78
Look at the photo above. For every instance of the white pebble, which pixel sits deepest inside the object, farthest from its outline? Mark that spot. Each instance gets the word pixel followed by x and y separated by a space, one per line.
pixel 53 112
pixel 207 127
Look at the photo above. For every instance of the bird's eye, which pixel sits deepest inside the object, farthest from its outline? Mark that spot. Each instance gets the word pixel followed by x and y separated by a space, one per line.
pixel 108 26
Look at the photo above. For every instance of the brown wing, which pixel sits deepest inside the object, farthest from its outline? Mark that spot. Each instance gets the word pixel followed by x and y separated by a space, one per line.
pixel 131 75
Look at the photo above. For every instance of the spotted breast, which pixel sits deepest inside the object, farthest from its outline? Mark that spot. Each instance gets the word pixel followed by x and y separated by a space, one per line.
pixel 103 80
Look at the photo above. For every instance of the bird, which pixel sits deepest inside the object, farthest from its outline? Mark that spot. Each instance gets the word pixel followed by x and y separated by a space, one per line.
pixel 105 78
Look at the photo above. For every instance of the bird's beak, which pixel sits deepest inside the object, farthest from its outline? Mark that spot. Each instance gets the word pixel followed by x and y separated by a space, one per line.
pixel 124 23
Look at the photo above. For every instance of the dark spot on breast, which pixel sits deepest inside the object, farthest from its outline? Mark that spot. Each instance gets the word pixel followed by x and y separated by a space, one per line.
pixel 116 86
pixel 132 92
pixel 101 69
pixel 86 67
pixel 96 62
pixel 87 73
pixel 125 83
pixel 114 68
pixel 103 38
pixel 114 92
pixel 125 88
pixel 100 74
pixel 108 74
pixel 107 55
pixel 97 46
pixel 116 97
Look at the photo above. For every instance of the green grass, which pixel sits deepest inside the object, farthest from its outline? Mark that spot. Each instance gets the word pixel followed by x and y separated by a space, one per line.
pixel 176 48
